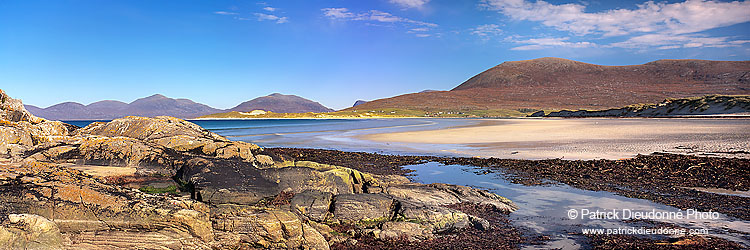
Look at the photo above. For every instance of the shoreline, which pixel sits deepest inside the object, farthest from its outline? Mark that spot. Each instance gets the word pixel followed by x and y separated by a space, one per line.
pixel 466 118
pixel 622 177
pixel 666 171
pixel 583 138
pixel 471 118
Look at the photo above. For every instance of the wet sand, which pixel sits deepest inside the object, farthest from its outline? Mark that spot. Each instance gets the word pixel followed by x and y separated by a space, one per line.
pixel 591 138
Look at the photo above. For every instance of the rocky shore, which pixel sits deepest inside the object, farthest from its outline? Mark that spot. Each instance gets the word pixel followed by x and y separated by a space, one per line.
pixel 669 179
pixel 155 183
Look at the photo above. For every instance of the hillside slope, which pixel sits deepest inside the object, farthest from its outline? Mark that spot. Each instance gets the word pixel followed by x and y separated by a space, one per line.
pixel 554 83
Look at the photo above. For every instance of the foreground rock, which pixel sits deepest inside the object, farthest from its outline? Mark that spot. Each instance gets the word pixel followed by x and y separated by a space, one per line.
pixel 30 231
pixel 231 194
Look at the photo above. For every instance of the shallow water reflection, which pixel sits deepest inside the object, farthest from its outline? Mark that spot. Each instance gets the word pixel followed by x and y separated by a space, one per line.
pixel 544 209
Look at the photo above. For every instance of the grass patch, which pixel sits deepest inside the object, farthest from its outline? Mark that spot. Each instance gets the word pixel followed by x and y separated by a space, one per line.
pixel 171 189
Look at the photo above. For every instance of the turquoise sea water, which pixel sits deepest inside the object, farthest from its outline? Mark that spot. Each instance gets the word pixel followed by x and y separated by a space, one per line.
pixel 339 134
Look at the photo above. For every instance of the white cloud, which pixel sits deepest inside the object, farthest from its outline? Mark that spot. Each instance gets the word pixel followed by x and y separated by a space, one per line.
pixel 671 18
pixel 268 17
pixel 545 43
pixel 337 13
pixel 410 3
pixel 226 13
pixel 269 8
pixel 651 24
pixel 385 17
pixel 343 14
pixel 486 30
pixel 372 15
pixel 380 18
pixel 669 47
pixel 665 41
pixel 420 32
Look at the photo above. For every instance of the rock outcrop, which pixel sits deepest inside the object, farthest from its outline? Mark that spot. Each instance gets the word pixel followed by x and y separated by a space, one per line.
pixel 28 231
pixel 231 195
pixel 92 214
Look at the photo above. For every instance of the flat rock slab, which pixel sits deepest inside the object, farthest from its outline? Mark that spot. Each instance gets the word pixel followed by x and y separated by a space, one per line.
pixel 313 204
pixel 358 207
pixel 227 182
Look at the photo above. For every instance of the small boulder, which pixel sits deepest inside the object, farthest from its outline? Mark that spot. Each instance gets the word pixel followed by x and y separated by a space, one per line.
pixel 437 194
pixel 264 160
pixel 29 231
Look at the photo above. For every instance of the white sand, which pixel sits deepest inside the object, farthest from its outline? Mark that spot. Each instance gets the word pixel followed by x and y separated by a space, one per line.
pixel 584 138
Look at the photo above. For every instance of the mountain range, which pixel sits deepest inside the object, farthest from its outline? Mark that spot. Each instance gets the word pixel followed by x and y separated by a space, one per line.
pixel 544 83
pixel 555 83
pixel 158 105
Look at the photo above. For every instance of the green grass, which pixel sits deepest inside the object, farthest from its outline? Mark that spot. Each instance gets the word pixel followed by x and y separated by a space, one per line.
pixel 171 189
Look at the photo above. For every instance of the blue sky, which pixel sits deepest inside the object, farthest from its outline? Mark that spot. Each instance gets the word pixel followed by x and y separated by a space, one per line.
pixel 223 52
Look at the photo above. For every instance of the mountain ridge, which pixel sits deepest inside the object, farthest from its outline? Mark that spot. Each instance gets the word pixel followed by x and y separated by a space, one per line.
pixel 153 105
pixel 557 83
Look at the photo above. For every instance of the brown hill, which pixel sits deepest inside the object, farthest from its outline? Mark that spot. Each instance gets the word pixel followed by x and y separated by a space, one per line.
pixel 555 83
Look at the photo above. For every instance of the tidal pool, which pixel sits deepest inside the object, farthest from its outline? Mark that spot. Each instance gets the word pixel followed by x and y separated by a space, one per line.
pixel 545 209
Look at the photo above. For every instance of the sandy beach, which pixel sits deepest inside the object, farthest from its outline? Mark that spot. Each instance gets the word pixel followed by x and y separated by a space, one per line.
pixel 585 138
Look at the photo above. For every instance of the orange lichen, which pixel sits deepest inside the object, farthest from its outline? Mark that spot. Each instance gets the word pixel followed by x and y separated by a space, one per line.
pixel 87 196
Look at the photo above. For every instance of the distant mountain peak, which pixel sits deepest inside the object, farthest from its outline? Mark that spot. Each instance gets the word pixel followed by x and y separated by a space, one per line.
pixel 69 104
pixel 156 96
pixel 280 103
